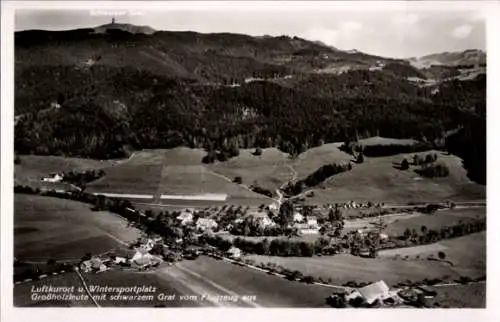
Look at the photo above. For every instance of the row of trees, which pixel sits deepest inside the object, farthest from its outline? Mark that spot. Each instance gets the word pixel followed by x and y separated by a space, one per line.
pixel 317 177
pixel 276 246
pixel 80 179
pixel 381 150
pixel 427 236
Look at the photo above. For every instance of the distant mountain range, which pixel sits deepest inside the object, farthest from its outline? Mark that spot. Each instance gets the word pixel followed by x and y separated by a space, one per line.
pixel 463 58
pixel 125 27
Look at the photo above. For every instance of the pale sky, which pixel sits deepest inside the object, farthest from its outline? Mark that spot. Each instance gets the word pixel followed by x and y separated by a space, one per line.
pixel 391 33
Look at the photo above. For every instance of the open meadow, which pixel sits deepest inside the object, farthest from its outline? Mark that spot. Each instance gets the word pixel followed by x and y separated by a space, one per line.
pixel 175 172
pixel 466 254
pixel 343 268
pixel 378 180
pixel 51 228
pixel 436 221
pixel 268 170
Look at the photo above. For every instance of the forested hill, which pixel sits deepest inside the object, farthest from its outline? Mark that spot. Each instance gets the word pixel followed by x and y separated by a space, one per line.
pixel 102 94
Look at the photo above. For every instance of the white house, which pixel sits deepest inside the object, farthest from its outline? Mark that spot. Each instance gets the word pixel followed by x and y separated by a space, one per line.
pixel 305 229
pixel 383 236
pixel 186 217
pixel 274 206
pixel 93 264
pixel 298 217
pixel 55 178
pixel 119 260
pixel 142 258
pixel 234 252
pixel 205 224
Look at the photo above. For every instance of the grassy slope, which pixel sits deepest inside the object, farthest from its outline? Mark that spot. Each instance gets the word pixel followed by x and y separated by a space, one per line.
pixel 343 268
pixel 467 253
pixel 268 170
pixel 311 160
pixel 64 229
pixel 377 180
pixel 175 171
pixel 437 221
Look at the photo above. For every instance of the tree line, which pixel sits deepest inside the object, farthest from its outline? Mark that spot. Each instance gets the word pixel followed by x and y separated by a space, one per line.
pixel 318 176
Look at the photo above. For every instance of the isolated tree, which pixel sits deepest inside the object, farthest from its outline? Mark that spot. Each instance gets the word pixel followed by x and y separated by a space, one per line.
pixel 407 234
pixel 285 214
pixel 257 152
pixel 441 255
pixel 414 234
pixel 405 165
pixel 238 180
pixel 429 158
pixel 423 229
pixel 234 151
pixel 360 159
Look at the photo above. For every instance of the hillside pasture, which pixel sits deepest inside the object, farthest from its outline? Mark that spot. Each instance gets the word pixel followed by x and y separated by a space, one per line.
pixel 378 180
pixel 268 170
pixel 194 180
pixel 466 254
pixel 377 140
pixel 128 178
pixel 46 227
pixel 34 167
pixel 314 158
pixel 437 221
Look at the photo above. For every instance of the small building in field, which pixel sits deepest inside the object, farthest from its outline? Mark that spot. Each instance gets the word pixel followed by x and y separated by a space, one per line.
pixel 120 260
pixel 234 252
pixel 206 224
pixel 383 237
pixel 56 177
pixel 305 229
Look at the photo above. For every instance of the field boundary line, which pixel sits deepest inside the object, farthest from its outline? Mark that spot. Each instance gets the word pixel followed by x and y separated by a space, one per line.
pixel 85 286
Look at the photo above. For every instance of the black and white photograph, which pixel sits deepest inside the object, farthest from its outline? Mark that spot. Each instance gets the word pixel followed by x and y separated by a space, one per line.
pixel 263 156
